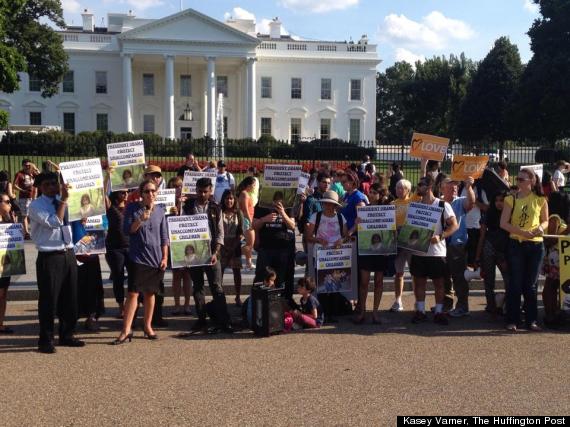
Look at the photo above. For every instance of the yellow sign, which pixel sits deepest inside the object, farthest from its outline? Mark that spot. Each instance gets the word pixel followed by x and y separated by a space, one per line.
pixel 564 260
pixel 428 146
pixel 463 167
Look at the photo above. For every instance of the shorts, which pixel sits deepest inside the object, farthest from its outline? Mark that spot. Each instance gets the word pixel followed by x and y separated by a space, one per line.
pixel 433 267
pixel 404 256
pixel 376 263
pixel 230 254
pixel 24 205
pixel 246 225
pixel 4 282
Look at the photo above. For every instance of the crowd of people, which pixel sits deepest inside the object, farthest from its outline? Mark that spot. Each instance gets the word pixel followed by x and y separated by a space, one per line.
pixel 476 234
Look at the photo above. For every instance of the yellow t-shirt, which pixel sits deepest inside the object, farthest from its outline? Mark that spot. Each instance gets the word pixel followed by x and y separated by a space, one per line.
pixel 526 214
pixel 402 208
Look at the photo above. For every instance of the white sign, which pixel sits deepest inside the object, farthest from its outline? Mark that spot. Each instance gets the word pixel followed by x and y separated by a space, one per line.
pixel 282 176
pixel 189 240
pixel 167 198
pixel 537 169
pixel 334 269
pixel 192 177
pixel 12 257
pixel 86 197
pixel 377 230
pixel 303 182
pixel 127 161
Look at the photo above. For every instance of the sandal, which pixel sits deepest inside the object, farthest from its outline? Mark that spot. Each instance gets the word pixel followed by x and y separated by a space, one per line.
pixel 511 327
pixel 533 327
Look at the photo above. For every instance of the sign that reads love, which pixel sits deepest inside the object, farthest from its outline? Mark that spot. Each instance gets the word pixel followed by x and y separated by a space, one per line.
pixel 428 146
pixel 463 167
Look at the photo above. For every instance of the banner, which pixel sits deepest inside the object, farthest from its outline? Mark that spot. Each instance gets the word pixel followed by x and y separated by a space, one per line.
pixel 280 183
pixel 94 240
pixel 564 260
pixel 536 168
pixel 189 240
pixel 192 177
pixel 86 196
pixel 420 225
pixel 334 270
pixel 464 167
pixel 12 258
pixel 303 183
pixel 167 198
pixel 428 146
pixel 127 162
pixel 377 230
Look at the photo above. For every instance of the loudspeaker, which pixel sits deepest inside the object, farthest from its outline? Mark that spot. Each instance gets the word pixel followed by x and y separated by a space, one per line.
pixel 268 313
pixel 472 275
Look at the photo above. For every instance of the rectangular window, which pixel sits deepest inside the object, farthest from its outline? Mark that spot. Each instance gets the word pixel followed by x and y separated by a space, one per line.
pixel 355 92
pixel 186 133
pixel 222 85
pixel 296 88
pixel 69 123
pixel 36 118
pixel 185 85
pixel 266 87
pixel 266 126
pixel 148 123
pixel 35 84
pixel 68 85
pixel 103 121
pixel 148 84
pixel 325 129
pixel 354 130
pixel 100 82
pixel 295 130
pixel 326 89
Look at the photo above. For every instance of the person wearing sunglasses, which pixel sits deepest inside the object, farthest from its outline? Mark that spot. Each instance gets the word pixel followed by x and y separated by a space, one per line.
pixel 5 217
pixel 525 218
pixel 145 224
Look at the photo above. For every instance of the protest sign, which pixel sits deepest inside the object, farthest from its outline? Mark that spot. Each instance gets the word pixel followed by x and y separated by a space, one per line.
pixel 93 242
pixel 536 168
pixel 192 177
pixel 86 197
pixel 463 167
pixel 377 230
pixel 280 183
pixel 421 221
pixel 334 270
pixel 564 260
pixel 428 146
pixel 166 198
pixel 127 162
pixel 12 258
pixel 189 240
pixel 303 183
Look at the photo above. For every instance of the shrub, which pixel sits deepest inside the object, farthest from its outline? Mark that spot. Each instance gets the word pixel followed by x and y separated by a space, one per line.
pixel 4 119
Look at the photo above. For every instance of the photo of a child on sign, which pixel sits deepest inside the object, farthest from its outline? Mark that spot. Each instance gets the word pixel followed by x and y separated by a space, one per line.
pixel 377 242
pixel 84 204
pixel 414 238
pixel 334 280
pixel 126 177
pixel 270 195
pixel 190 254
pixel 12 263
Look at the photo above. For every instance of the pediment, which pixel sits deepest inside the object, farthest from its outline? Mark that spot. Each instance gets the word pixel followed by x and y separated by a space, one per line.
pixel 189 26
pixel 298 111
pixel 34 104
pixel 357 111
pixel 101 106
pixel 68 105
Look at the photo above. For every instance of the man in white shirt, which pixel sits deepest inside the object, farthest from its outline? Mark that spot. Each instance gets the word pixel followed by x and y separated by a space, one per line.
pixel 558 177
pixel 224 181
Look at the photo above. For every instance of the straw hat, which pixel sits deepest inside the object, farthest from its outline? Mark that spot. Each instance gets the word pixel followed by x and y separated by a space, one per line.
pixel 152 169
pixel 330 197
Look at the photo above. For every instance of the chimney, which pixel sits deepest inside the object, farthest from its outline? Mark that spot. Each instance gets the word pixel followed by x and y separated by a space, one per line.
pixel 275 28
pixel 88 21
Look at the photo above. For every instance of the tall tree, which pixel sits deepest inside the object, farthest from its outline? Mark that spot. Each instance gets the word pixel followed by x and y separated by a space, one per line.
pixel 31 46
pixel 544 99
pixel 485 110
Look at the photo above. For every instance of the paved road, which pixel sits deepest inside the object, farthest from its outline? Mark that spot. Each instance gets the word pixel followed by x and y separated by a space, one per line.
pixel 340 375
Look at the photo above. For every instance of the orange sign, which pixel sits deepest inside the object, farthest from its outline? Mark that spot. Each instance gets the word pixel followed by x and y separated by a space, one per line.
pixel 428 146
pixel 463 167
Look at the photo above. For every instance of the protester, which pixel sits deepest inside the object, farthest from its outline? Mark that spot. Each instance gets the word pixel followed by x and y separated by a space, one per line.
pixel 473 218
pixel 247 210
pixel 432 264
pixel 503 172
pixel 491 251
pixel 151 173
pixel 456 257
pixel 336 185
pixel 562 167
pixel 365 162
pixel 396 175
pixel 525 217
pixel 310 315
pixel 352 198
pixel 312 204
pixel 233 232
pixel 6 186
pixel 56 267
pixel 548 185
pixel 191 164
pixel 224 181
pixel 253 172
pixel 24 183
pixel 203 205
pixel 551 269
pixel 145 223
pixel 5 217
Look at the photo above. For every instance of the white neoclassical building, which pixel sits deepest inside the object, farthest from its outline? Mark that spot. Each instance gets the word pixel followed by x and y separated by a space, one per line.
pixel 166 75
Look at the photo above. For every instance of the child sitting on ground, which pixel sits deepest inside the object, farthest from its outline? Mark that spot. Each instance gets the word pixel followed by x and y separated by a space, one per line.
pixel 310 315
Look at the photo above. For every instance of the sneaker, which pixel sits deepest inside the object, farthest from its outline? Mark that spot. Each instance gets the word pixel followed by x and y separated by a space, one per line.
pixel 440 319
pixel 459 312
pixel 396 307
pixel 419 317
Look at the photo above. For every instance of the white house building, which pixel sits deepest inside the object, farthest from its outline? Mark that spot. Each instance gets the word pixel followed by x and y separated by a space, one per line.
pixel 164 76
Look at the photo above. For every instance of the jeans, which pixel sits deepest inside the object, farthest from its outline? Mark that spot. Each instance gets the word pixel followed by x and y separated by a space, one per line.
pixel 456 265
pixel 491 259
pixel 525 259
pixel 117 260
pixel 283 262
pixel 214 275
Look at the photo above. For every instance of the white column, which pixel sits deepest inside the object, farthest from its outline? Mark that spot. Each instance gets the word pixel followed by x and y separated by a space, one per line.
pixel 251 99
pixel 128 89
pixel 211 89
pixel 169 98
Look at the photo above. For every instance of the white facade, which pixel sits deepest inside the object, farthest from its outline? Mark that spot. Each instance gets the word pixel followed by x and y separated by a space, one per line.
pixel 131 76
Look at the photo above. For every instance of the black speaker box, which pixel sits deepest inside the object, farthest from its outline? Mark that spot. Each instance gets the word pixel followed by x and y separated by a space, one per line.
pixel 268 313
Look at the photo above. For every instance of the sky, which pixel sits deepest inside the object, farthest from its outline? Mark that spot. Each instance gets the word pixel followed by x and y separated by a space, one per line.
pixel 406 30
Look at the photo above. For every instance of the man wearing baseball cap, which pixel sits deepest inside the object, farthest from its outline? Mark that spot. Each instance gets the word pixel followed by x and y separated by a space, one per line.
pixel 224 181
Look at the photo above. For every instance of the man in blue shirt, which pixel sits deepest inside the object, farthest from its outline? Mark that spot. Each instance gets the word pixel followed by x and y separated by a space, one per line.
pixel 456 247
pixel 56 267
